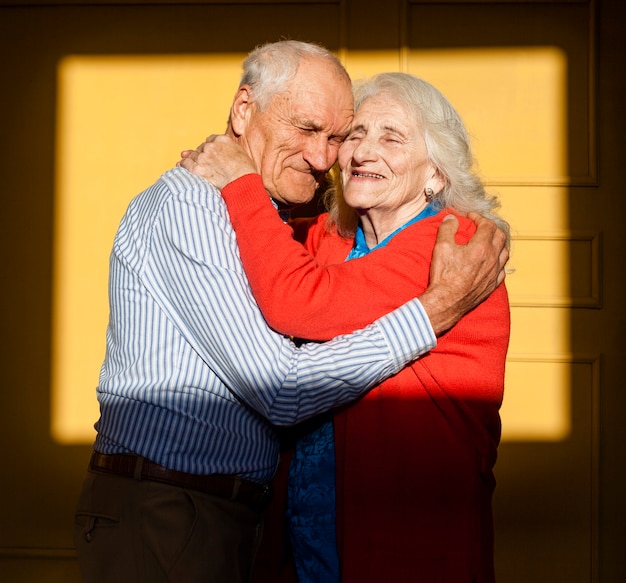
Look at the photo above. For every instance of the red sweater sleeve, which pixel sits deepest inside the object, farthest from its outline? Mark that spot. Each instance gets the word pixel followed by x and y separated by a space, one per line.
pixel 310 291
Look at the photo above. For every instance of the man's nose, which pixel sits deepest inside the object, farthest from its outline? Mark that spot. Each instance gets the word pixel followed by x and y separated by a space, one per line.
pixel 320 154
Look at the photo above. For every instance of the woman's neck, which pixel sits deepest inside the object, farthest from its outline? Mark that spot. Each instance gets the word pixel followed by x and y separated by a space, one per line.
pixel 377 226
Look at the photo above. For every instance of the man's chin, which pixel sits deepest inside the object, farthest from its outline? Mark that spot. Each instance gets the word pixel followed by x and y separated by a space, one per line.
pixel 296 194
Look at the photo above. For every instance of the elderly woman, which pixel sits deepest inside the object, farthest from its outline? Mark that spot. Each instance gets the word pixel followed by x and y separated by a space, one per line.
pixel 408 468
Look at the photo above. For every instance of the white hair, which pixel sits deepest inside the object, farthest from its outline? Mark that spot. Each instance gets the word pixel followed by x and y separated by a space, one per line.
pixel 269 67
pixel 447 144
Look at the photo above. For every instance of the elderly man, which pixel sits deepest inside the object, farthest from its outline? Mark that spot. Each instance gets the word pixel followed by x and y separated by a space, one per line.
pixel 194 380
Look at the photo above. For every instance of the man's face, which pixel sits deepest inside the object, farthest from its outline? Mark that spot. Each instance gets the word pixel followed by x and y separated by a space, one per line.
pixel 295 140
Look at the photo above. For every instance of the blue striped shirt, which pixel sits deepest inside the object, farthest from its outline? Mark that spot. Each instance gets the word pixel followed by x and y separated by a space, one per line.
pixel 193 378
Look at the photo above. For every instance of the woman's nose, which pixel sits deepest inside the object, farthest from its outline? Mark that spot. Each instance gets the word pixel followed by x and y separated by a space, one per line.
pixel 363 151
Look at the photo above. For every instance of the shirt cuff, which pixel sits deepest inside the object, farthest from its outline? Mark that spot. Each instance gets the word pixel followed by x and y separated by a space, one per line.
pixel 408 333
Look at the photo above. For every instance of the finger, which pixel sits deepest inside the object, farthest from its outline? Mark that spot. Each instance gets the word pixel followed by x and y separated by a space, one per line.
pixel 447 229
pixel 190 155
pixel 478 218
pixel 504 257
pixel 485 228
pixel 187 163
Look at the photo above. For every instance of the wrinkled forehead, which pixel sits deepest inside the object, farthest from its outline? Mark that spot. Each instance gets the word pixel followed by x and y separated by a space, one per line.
pixel 321 94
pixel 385 107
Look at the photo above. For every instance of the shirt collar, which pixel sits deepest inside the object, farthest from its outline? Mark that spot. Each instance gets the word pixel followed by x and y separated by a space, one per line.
pixel 360 247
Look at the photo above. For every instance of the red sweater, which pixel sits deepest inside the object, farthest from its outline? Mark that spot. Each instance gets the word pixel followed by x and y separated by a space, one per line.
pixel 415 455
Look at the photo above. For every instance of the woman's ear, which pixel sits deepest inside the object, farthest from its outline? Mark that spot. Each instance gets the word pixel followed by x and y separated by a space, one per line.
pixel 436 181
pixel 240 109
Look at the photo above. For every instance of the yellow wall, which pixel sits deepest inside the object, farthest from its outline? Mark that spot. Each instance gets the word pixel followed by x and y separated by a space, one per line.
pixel 100 99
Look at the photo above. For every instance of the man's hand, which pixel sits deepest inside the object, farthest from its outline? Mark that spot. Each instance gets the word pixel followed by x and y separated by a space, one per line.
pixel 462 276
pixel 219 160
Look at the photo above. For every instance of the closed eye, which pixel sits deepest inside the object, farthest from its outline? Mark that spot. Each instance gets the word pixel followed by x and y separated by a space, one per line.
pixel 337 140
pixel 355 135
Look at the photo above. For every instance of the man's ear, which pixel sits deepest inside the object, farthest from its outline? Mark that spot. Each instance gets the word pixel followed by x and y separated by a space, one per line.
pixel 240 109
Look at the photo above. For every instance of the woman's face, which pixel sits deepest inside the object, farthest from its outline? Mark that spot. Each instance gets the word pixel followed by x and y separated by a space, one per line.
pixel 384 164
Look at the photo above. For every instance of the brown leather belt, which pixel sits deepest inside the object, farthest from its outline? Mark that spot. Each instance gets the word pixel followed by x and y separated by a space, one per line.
pixel 234 488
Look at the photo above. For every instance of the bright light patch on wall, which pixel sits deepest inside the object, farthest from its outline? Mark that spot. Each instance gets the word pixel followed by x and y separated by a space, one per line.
pixel 121 122
pixel 364 64
pixel 537 401
pixel 513 102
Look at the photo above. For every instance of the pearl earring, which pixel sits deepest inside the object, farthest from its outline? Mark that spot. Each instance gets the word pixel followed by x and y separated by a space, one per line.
pixel 429 194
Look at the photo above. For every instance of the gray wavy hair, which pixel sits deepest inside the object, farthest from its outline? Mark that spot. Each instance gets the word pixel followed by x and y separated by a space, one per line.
pixel 447 145
pixel 270 66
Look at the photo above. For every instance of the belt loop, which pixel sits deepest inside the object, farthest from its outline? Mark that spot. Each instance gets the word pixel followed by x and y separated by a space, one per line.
pixel 236 487
pixel 138 467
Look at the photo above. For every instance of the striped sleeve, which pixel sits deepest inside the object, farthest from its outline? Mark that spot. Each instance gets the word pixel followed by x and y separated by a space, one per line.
pixel 192 269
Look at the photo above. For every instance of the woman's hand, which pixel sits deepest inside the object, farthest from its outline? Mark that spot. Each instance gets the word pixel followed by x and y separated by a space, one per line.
pixel 219 160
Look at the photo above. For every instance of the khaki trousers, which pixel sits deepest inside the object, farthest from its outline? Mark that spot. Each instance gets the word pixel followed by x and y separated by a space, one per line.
pixel 130 531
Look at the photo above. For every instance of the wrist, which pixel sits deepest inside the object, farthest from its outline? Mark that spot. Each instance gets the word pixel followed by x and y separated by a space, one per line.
pixel 440 309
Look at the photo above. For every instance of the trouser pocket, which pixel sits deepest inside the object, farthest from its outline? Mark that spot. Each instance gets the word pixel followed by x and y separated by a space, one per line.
pixel 87 525
pixel 98 508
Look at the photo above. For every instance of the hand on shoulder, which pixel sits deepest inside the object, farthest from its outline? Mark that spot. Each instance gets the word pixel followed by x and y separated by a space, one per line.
pixel 463 275
pixel 219 159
